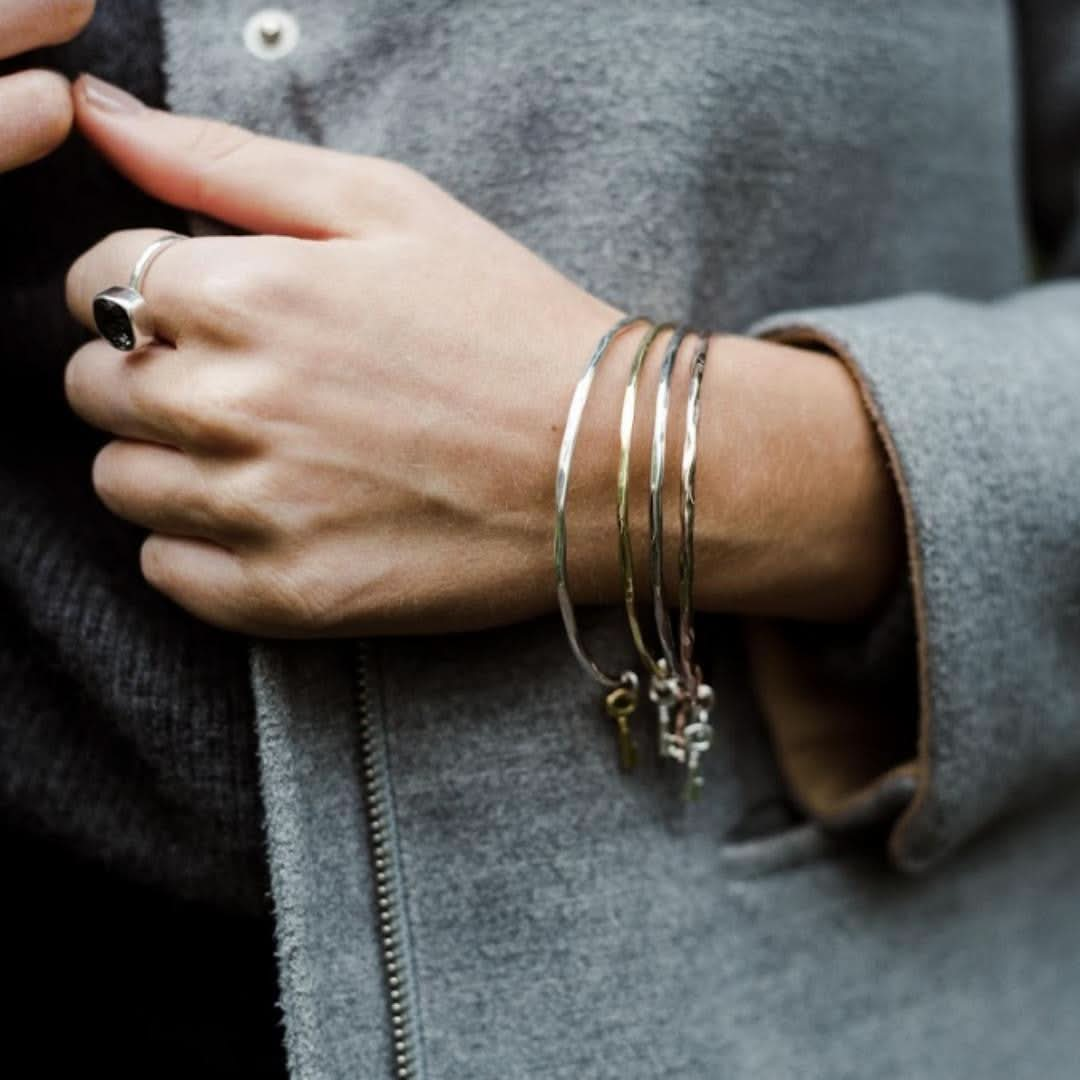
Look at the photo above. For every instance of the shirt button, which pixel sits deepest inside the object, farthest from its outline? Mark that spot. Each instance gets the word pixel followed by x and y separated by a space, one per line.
pixel 271 34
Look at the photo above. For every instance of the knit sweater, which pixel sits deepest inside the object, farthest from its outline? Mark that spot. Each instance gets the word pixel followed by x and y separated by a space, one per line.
pixel 134 907
pixel 125 725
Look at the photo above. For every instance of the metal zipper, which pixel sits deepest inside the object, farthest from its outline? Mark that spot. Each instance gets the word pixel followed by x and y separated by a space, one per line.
pixel 385 874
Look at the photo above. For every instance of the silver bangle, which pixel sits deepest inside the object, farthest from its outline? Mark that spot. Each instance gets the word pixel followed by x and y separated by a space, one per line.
pixel 657 465
pixel 667 689
pixel 688 479
pixel 695 735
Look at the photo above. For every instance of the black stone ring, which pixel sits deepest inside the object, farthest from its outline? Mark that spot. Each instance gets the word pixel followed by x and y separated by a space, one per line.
pixel 121 313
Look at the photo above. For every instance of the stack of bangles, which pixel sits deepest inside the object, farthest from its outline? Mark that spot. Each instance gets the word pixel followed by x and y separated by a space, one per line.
pixel 682 699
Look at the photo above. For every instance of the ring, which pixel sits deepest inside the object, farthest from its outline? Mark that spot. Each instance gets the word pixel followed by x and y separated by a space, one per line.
pixel 121 313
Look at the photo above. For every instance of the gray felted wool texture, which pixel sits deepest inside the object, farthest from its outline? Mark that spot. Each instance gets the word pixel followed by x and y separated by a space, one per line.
pixel 729 163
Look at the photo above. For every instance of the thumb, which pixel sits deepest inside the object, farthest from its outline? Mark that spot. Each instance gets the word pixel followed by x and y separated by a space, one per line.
pixel 256 183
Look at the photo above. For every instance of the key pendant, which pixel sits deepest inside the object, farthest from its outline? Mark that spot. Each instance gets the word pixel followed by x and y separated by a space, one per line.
pixel 664 693
pixel 621 704
pixel 697 737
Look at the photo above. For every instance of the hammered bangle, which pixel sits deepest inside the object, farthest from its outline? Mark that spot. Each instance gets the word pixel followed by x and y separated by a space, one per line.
pixel 687 485
pixel 622 699
pixel 657 668
pixel 657 466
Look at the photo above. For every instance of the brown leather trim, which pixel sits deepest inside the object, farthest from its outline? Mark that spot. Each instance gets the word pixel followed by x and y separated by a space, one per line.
pixel 844 755
pixel 825 796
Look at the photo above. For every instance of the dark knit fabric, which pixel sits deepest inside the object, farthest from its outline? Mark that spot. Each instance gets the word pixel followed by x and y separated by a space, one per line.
pixel 137 939
pixel 123 981
pixel 125 725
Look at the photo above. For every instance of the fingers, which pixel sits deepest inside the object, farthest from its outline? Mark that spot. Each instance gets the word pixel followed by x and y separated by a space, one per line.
pixel 257 183
pixel 99 386
pixel 201 576
pixel 207 550
pixel 169 491
pixel 206 289
pixel 159 394
pixel 35 116
pixel 31 24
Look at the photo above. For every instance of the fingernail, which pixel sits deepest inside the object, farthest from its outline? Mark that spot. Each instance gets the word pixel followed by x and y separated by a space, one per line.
pixel 100 94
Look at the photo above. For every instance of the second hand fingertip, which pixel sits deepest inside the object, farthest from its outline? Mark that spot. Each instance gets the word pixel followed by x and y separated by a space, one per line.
pixel 102 96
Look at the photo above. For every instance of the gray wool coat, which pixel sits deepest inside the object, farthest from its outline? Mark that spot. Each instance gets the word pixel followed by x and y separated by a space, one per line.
pixel 464 886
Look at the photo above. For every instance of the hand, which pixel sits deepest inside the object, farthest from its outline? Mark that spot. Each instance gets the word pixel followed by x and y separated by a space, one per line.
pixel 351 426
pixel 35 105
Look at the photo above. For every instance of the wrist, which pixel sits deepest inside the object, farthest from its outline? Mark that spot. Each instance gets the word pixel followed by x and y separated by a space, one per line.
pixel 797 513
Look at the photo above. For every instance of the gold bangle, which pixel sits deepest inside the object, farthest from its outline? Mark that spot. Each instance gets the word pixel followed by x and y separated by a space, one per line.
pixel 657 467
pixel 657 668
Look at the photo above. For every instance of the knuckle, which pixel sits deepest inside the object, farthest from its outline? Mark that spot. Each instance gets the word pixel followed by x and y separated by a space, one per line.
pixel 236 298
pixel 214 141
pixel 231 300
pixel 213 144
pixel 219 408
pixel 390 188
pixel 221 305
pixel 257 397
pixel 246 501
pixel 182 409
pixel 199 422
pixel 286 595
pixel 393 176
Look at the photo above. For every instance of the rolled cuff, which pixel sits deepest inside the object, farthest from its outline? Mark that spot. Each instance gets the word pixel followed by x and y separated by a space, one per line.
pixel 977 407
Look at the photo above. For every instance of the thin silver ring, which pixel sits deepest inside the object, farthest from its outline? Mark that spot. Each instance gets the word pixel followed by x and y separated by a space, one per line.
pixel 151 252
pixel 121 313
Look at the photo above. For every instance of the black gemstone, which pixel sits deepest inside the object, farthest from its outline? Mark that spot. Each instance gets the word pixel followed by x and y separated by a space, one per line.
pixel 113 322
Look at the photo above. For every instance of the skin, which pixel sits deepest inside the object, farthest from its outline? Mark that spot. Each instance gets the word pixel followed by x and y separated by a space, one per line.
pixel 352 421
pixel 35 105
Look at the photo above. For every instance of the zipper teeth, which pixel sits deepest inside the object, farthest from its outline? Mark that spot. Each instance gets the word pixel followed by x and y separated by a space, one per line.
pixel 385 875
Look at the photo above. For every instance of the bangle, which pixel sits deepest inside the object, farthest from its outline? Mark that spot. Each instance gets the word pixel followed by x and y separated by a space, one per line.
pixel 622 699
pixel 697 734
pixel 657 466
pixel 658 668
pixel 667 688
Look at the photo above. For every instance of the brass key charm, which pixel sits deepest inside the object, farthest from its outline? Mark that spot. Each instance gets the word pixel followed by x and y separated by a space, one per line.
pixel 621 705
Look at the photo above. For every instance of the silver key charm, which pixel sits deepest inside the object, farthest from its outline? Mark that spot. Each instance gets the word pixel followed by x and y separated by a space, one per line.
pixel 665 694
pixel 697 738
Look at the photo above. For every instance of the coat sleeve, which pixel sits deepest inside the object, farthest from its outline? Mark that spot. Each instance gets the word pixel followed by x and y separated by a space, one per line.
pixel 961 702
